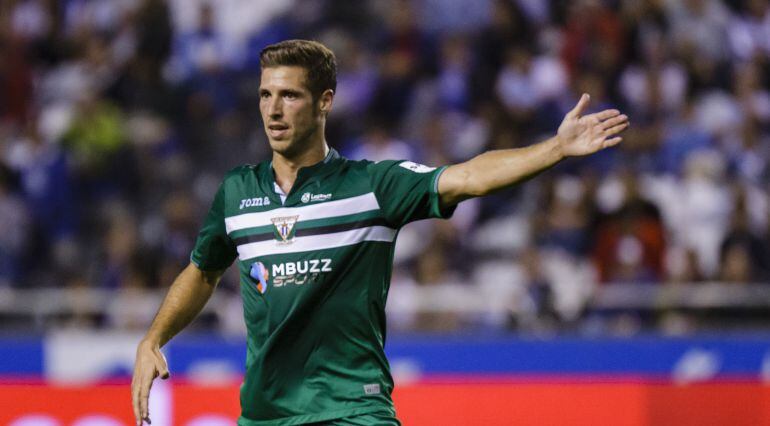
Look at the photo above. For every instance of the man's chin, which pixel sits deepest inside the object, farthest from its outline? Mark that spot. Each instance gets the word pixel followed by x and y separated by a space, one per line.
pixel 290 147
pixel 278 144
pixel 281 146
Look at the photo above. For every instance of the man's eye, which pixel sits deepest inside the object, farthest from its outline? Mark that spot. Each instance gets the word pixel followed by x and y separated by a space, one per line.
pixel 264 95
pixel 290 95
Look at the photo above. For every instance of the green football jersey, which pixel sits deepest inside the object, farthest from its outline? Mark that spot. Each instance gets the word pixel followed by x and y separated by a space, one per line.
pixel 315 272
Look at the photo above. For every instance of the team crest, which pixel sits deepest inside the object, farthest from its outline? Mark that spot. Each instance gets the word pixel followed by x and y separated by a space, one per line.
pixel 261 274
pixel 284 228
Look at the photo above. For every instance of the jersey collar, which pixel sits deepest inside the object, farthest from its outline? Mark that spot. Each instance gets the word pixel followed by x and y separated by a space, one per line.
pixel 305 175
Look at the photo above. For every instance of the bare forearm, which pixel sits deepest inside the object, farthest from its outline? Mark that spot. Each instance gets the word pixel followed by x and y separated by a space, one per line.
pixel 185 299
pixel 495 170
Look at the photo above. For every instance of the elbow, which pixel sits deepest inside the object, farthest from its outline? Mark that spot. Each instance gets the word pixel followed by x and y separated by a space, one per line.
pixel 209 278
pixel 477 191
pixel 475 187
pixel 463 181
pixel 471 184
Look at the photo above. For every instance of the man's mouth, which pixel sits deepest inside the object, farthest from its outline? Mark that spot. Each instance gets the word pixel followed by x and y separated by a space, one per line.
pixel 277 130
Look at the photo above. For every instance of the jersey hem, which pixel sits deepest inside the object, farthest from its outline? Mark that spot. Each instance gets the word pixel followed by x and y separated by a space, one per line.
pixel 310 418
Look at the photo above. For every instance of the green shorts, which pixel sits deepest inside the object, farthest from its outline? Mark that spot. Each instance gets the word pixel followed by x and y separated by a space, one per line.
pixel 371 419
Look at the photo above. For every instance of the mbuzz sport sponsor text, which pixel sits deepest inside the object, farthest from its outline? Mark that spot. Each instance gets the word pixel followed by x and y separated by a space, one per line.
pixel 298 272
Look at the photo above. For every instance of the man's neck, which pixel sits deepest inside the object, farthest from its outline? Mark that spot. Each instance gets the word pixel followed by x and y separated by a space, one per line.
pixel 286 168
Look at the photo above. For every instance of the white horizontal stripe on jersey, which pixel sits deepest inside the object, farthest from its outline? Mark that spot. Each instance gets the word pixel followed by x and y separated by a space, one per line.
pixel 317 242
pixel 346 206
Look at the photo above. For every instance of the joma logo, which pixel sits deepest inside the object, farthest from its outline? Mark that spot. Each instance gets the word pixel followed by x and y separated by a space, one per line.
pixel 254 202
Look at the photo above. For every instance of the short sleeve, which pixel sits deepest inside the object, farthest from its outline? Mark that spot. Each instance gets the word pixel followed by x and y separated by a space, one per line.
pixel 407 191
pixel 214 250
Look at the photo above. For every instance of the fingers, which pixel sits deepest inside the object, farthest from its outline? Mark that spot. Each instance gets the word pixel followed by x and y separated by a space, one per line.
pixel 614 121
pixel 144 396
pixel 580 107
pixel 135 401
pixel 607 114
pixel 162 366
pixel 611 142
pixel 614 130
pixel 149 365
pixel 140 392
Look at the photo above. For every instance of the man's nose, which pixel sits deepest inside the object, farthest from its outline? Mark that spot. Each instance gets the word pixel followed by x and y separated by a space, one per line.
pixel 275 109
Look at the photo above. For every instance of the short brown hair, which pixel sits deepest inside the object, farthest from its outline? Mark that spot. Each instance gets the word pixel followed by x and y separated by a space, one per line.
pixel 317 60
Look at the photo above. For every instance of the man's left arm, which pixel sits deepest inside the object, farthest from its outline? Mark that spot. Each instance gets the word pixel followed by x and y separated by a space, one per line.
pixel 578 135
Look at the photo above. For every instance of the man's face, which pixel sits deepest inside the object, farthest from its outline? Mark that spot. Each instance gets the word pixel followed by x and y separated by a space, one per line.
pixel 290 115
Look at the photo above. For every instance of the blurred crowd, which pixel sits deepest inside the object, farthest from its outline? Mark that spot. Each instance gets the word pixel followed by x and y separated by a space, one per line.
pixel 118 118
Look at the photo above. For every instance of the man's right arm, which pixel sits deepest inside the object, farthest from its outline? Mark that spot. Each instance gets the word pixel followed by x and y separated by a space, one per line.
pixel 578 135
pixel 185 299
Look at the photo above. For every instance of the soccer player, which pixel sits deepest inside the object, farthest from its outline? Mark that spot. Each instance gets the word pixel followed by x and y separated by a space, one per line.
pixel 314 235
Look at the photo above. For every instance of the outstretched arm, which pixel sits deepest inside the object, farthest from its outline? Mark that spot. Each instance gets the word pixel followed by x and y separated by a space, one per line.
pixel 185 299
pixel 578 135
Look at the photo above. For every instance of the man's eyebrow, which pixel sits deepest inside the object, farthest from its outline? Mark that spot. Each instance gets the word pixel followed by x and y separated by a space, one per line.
pixel 283 90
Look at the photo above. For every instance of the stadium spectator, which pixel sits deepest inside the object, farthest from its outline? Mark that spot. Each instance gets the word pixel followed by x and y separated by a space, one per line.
pixel 13 230
pixel 630 243
pixel 46 184
pixel 742 252
pixel 202 50
pixel 567 217
pixel 376 144
pixel 749 30
pixel 94 142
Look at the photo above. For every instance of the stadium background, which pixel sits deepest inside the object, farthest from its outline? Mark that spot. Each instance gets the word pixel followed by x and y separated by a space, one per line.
pixel 628 288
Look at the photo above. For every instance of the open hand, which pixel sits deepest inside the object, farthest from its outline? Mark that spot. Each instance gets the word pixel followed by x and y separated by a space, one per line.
pixel 150 363
pixel 585 134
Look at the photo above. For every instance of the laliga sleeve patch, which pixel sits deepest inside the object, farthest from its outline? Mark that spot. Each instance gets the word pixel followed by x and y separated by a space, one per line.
pixel 415 167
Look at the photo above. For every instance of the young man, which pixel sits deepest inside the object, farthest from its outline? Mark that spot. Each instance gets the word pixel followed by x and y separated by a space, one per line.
pixel 314 235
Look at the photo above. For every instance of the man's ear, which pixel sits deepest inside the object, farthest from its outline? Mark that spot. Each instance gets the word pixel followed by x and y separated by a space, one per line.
pixel 325 101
